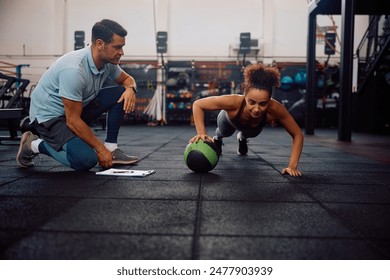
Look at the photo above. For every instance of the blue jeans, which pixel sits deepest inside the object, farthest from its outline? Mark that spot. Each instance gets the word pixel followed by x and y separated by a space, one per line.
pixel 76 153
pixel 106 101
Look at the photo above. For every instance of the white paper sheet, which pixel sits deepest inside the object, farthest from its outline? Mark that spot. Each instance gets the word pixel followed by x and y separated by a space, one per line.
pixel 125 172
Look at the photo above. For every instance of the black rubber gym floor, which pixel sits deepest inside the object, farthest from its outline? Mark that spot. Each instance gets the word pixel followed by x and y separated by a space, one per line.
pixel 243 209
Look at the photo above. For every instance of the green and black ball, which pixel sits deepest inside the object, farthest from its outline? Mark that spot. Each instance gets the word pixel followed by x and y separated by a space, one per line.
pixel 201 157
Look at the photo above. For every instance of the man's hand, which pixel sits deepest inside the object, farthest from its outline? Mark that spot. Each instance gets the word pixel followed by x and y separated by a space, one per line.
pixel 104 157
pixel 129 99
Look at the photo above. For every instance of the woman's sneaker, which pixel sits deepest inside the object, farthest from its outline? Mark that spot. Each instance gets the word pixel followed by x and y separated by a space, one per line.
pixel 120 157
pixel 25 154
pixel 242 145
pixel 218 145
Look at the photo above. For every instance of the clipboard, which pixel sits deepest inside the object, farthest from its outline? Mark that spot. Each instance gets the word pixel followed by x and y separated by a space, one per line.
pixel 125 172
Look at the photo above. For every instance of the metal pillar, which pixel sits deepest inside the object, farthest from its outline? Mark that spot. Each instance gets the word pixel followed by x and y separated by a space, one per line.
pixel 310 78
pixel 346 66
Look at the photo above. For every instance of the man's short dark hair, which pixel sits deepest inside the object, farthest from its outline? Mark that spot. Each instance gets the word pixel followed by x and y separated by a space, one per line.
pixel 105 29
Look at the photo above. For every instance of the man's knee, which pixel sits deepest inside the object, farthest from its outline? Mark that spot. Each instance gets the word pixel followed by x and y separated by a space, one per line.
pixel 84 162
pixel 80 155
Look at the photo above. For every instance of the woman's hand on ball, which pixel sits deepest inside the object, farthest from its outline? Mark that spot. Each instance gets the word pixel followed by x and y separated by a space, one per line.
pixel 203 137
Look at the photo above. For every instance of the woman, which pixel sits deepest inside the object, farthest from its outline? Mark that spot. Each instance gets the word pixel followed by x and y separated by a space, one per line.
pixel 249 113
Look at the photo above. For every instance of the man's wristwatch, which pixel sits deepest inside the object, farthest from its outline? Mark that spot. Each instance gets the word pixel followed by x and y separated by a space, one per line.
pixel 133 87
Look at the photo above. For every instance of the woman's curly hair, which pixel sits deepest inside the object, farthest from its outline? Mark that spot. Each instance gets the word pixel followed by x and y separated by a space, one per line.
pixel 261 77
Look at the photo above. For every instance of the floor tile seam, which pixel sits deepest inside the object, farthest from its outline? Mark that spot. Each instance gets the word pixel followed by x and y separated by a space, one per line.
pixel 289 236
pixel 377 181
pixel 8 142
pixel 308 191
pixel 165 144
pixel 241 180
pixel 296 202
pixel 69 232
pixel 197 224
pixel 357 153
pixel 283 180
pixel 149 179
pixel 201 235
pixel 86 197
pixel 239 168
pixel 99 187
pixel 358 184
pixel 370 181
pixel 362 173
pixel 10 182
pixel 144 199
pixel 349 226
pixel 268 163
pixel 204 199
pixel 261 184
pixel 31 230
pixel 5 161
pixel 337 184
pixel 358 203
pixel 24 177
pixel 79 179
pixel 346 164
pixel 258 201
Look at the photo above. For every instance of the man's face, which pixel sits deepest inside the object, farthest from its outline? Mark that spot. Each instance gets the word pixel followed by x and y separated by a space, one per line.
pixel 112 52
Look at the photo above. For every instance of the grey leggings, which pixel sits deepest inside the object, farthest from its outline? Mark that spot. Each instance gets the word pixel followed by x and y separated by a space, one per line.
pixel 226 128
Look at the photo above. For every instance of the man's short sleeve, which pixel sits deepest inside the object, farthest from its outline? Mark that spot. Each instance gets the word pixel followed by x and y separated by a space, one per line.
pixel 115 71
pixel 71 83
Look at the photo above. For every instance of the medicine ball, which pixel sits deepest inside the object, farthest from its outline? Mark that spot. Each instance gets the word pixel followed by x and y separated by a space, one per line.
pixel 201 157
pixel 286 83
pixel 300 78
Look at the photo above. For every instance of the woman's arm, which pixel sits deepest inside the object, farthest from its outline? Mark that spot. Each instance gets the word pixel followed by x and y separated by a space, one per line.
pixel 280 113
pixel 224 102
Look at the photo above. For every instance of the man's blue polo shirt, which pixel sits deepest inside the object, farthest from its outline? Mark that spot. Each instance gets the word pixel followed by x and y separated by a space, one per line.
pixel 73 76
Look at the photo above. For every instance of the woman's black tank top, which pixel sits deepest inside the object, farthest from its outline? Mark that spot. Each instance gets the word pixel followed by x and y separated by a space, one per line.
pixel 236 121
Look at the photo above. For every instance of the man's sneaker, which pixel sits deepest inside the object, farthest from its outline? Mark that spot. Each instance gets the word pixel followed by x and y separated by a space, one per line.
pixel 242 145
pixel 218 145
pixel 119 157
pixel 25 153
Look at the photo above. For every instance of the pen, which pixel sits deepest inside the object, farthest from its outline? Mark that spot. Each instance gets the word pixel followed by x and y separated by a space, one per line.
pixel 124 171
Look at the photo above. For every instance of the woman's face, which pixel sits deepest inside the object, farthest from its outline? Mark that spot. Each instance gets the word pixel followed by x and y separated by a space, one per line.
pixel 257 102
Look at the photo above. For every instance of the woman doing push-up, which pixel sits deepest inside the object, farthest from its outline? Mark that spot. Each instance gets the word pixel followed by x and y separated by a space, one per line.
pixel 249 113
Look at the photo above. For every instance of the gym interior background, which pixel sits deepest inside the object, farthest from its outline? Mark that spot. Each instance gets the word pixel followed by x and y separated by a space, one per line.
pixel 183 50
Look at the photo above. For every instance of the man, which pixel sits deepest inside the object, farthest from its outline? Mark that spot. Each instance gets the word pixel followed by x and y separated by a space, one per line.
pixel 70 94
